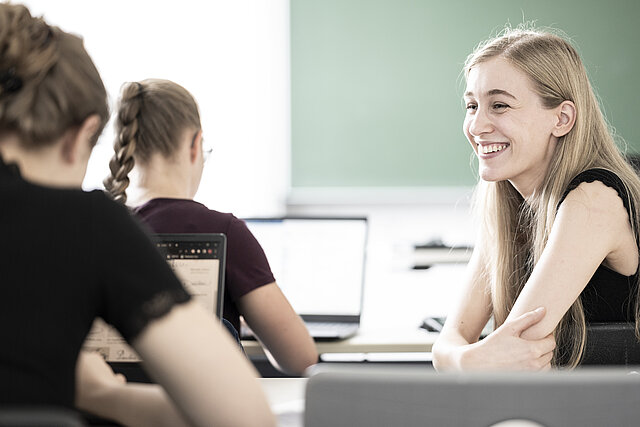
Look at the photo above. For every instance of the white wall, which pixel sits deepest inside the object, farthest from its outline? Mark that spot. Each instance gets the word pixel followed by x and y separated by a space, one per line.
pixel 233 55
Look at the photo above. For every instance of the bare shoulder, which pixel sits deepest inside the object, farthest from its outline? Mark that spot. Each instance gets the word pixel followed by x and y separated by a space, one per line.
pixel 598 200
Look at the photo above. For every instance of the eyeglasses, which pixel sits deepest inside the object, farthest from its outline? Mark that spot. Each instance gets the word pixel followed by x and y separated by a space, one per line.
pixel 206 151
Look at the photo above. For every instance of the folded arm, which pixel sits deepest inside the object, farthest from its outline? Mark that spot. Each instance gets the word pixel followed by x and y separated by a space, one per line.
pixel 458 348
pixel 592 225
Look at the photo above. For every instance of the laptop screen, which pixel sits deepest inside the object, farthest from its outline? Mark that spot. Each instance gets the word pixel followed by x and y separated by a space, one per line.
pixel 198 260
pixel 317 262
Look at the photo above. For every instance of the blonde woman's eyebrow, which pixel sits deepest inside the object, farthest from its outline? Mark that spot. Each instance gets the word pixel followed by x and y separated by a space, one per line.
pixel 500 92
pixel 491 92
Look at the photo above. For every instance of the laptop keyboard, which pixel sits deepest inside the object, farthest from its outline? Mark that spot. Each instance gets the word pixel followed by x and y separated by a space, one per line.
pixel 326 330
pixel 330 329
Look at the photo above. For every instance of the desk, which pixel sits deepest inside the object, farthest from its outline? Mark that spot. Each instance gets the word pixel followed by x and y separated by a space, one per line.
pixel 286 399
pixel 411 340
pixel 395 302
pixel 396 297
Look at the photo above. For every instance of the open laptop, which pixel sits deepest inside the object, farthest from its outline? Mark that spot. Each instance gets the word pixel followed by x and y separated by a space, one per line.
pixel 374 395
pixel 319 263
pixel 199 262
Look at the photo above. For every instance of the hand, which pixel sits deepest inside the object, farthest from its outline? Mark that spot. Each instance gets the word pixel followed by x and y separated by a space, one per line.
pixel 504 349
pixel 94 379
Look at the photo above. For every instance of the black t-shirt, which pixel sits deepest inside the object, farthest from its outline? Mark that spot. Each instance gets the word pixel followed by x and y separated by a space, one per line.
pixel 67 256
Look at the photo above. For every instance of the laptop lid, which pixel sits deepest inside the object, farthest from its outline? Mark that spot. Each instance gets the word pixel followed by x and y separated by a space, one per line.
pixel 376 395
pixel 199 262
pixel 318 262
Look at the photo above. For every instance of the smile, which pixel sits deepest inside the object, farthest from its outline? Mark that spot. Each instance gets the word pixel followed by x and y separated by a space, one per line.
pixel 491 148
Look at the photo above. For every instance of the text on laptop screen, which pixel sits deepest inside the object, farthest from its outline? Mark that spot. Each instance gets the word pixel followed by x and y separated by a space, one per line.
pixel 197 265
pixel 318 263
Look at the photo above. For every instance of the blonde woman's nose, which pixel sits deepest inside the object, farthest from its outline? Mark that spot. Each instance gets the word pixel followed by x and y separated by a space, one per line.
pixel 480 123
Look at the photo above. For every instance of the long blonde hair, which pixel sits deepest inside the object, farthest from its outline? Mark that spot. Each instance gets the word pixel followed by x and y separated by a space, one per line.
pixel 516 232
pixel 152 114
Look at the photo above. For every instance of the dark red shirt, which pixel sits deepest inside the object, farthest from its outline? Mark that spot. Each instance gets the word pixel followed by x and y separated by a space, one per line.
pixel 247 267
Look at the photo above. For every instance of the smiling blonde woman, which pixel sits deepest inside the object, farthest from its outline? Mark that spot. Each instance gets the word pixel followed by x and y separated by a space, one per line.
pixel 558 207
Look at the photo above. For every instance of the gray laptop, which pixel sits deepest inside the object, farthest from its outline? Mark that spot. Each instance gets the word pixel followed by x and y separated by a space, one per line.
pixel 372 396
pixel 319 263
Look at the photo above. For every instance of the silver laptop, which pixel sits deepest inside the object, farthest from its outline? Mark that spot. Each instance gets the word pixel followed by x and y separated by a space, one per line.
pixel 375 395
pixel 319 263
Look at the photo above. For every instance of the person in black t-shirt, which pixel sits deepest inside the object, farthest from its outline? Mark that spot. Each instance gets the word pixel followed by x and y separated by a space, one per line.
pixel 68 256
pixel 558 206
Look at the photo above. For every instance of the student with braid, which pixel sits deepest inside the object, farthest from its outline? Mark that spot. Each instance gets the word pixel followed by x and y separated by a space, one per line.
pixel 159 136
pixel 68 256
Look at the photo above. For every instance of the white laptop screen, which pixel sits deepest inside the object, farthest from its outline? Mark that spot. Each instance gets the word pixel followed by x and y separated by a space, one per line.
pixel 317 262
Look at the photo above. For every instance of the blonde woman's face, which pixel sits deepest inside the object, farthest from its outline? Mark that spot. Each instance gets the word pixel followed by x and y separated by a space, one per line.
pixel 507 126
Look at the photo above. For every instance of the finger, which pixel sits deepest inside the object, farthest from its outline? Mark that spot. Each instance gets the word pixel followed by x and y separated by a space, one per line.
pixel 121 378
pixel 545 361
pixel 547 344
pixel 525 321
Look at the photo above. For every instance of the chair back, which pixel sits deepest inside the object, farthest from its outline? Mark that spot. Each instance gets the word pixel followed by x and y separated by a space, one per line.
pixel 29 416
pixel 611 344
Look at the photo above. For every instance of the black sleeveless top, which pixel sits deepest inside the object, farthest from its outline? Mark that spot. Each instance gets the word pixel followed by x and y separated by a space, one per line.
pixel 609 296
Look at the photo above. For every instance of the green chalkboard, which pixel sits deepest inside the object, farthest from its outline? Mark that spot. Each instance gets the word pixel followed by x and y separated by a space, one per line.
pixel 377 84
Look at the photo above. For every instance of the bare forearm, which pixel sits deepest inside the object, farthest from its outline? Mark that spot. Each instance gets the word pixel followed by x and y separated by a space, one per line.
pixel 280 330
pixel 448 353
pixel 292 356
pixel 136 404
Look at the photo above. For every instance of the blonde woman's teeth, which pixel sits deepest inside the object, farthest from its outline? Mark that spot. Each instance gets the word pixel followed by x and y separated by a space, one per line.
pixel 486 149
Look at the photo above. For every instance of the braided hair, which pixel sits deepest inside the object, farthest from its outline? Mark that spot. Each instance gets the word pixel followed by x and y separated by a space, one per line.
pixel 152 114
pixel 125 144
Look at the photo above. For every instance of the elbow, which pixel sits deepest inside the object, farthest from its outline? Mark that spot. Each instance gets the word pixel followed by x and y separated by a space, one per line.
pixel 294 357
pixel 437 356
pixel 449 356
pixel 311 358
pixel 300 362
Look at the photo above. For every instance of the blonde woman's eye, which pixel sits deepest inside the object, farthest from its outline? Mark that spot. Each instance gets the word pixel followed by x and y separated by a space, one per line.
pixel 500 106
pixel 471 107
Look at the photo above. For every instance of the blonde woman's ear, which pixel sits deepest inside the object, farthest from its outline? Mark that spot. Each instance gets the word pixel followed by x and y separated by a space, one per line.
pixel 566 115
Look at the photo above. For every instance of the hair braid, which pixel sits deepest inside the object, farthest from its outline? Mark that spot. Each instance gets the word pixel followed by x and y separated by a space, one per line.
pixel 126 141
